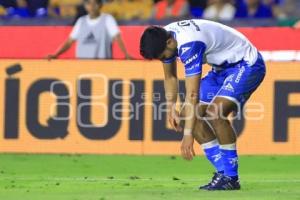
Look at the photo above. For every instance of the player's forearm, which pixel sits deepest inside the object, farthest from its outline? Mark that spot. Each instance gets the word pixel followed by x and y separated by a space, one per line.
pixel 192 84
pixel 121 45
pixel 171 90
pixel 190 108
pixel 66 46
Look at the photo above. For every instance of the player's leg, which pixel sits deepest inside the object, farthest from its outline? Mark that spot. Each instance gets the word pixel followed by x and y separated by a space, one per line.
pixel 204 135
pixel 203 132
pixel 240 82
pixel 217 115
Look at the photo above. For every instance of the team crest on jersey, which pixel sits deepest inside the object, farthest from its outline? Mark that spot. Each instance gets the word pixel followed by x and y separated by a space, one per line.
pixel 229 87
pixel 184 49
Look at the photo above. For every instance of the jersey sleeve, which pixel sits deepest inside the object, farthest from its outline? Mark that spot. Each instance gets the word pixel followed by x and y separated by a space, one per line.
pixel 76 30
pixel 191 55
pixel 112 26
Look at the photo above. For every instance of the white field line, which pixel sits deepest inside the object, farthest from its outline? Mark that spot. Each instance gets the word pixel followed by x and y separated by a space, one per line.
pixel 139 179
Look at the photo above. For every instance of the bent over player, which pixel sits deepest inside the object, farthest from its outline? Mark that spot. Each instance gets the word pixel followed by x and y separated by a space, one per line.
pixel 237 70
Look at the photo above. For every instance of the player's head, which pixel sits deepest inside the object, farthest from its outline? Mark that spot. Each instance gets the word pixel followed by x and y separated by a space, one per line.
pixel 157 43
pixel 93 7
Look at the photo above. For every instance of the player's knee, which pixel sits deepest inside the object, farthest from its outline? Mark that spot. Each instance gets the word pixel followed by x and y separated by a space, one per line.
pixel 215 116
pixel 201 111
pixel 200 132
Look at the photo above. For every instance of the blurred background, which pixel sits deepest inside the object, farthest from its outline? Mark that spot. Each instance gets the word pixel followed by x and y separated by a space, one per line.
pixel 136 12
pixel 36 118
pixel 33 31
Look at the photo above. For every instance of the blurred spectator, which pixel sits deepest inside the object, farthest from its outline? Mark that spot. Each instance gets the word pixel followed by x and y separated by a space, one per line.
pixel 197 7
pixel 137 9
pixel 156 9
pixel 276 6
pixel 63 8
pixel 170 8
pixel 38 8
pixel 2 11
pixel 8 3
pixel 94 34
pixel 291 8
pixel 252 8
pixel 219 10
pixel 17 8
pixel 25 8
pixel 21 9
pixel 113 7
pixel 129 9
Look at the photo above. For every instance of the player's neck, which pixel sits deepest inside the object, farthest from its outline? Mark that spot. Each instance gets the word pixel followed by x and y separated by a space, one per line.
pixel 94 16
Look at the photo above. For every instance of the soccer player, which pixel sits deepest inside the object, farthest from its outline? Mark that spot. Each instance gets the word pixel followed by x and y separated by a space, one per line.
pixel 94 33
pixel 237 70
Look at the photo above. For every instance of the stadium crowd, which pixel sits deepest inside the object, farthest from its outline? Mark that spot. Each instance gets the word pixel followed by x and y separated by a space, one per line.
pixel 155 9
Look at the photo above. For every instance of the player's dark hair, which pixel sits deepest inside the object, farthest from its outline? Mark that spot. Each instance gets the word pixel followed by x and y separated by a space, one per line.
pixel 153 42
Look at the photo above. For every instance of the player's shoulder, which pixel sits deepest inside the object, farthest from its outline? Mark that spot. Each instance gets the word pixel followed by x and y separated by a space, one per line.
pixel 181 25
pixel 186 32
pixel 84 17
pixel 107 16
pixel 172 27
pixel 81 20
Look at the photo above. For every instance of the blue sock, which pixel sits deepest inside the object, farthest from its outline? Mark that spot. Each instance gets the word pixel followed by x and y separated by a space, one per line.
pixel 213 154
pixel 230 160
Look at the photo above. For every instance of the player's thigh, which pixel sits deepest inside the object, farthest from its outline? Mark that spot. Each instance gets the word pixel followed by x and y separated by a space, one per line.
pixel 209 88
pixel 201 110
pixel 240 83
pixel 219 109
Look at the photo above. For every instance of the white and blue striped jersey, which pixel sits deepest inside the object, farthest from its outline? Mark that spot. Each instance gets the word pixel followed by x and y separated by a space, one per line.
pixel 202 41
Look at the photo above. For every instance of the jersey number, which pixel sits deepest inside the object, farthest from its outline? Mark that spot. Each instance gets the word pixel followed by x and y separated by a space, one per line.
pixel 188 23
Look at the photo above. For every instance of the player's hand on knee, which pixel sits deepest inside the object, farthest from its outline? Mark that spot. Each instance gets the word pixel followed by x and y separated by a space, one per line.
pixel 187 148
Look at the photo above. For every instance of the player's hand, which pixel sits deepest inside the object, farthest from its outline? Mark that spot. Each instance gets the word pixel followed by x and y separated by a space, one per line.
pixel 128 57
pixel 174 120
pixel 187 148
pixel 51 57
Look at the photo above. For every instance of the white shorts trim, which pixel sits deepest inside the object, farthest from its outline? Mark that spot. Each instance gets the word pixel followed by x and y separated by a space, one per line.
pixel 204 102
pixel 229 98
pixel 210 144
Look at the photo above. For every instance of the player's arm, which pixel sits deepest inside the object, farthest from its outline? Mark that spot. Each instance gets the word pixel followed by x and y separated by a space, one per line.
pixel 114 32
pixel 191 100
pixel 121 44
pixel 171 91
pixel 191 55
pixel 74 35
pixel 190 107
pixel 65 46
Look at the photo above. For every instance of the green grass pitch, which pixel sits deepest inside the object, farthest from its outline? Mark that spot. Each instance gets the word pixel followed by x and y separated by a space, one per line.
pixel 116 177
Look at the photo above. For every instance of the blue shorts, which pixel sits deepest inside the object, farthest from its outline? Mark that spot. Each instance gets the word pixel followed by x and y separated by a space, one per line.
pixel 235 83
